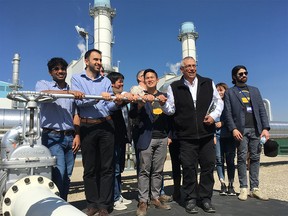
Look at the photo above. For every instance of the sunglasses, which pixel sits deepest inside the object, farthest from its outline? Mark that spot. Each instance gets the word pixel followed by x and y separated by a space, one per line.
pixel 59 68
pixel 242 73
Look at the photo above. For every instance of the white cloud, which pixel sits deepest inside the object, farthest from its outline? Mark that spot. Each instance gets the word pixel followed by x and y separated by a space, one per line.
pixel 82 47
pixel 174 68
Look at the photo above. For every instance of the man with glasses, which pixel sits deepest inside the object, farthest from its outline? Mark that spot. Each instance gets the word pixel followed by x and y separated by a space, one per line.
pixel 188 101
pixel 60 125
pixel 247 120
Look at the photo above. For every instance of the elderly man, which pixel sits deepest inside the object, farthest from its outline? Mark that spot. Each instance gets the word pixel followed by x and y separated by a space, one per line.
pixel 189 101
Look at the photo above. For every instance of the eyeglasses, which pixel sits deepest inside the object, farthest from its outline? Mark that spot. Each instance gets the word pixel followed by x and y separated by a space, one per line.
pixel 242 73
pixel 190 66
pixel 59 68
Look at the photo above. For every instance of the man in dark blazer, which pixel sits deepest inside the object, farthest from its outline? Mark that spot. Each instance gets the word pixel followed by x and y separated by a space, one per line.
pixel 152 144
pixel 247 120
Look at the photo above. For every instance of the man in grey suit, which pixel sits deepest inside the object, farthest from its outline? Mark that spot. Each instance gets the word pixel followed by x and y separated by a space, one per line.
pixel 247 120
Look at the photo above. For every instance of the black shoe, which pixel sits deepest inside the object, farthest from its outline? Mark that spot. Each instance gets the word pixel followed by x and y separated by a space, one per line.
pixel 91 211
pixel 207 206
pixel 223 191
pixel 191 207
pixel 231 191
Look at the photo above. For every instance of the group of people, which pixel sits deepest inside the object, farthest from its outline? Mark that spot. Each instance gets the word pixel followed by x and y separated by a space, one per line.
pixel 193 118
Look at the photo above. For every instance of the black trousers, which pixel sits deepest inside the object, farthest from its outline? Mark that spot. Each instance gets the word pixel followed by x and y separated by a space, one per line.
pixel 192 153
pixel 174 150
pixel 97 148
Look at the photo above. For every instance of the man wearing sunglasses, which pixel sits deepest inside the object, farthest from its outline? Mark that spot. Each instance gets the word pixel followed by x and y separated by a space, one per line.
pixel 247 120
pixel 60 124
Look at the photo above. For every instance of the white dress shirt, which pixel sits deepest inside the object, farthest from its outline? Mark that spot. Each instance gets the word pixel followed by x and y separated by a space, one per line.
pixel 169 106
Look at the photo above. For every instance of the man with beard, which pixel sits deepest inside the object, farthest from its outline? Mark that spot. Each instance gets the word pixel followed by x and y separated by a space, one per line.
pixel 97 134
pixel 247 120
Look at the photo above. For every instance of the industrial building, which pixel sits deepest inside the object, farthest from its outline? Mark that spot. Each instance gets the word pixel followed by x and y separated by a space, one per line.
pixel 103 15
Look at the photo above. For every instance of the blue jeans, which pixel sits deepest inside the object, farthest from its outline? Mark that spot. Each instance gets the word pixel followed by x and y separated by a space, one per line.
pixel 225 151
pixel 61 147
pixel 119 168
pixel 250 143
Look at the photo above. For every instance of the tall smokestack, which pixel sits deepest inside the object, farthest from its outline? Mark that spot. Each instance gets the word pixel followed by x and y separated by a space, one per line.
pixel 103 32
pixel 15 77
pixel 188 37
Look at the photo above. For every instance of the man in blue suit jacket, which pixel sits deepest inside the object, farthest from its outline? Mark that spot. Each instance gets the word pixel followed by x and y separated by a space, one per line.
pixel 152 144
pixel 247 120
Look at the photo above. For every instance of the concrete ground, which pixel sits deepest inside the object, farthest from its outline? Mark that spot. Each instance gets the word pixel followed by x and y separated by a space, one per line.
pixel 273 181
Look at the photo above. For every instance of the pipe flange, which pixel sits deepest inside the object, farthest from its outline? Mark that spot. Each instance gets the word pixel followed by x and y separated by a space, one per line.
pixel 25 185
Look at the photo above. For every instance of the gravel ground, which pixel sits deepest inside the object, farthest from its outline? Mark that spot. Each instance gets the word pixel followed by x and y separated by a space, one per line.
pixel 273 179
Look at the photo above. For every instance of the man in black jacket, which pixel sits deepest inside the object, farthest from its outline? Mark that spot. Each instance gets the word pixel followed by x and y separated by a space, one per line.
pixel 194 103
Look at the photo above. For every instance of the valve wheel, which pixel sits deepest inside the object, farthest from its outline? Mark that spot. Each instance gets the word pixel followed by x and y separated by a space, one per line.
pixel 27 96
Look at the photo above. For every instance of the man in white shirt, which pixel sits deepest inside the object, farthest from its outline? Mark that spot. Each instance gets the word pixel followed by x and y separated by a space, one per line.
pixel 194 103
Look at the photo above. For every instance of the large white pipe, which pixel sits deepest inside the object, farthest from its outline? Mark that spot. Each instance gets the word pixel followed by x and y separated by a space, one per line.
pixel 34 196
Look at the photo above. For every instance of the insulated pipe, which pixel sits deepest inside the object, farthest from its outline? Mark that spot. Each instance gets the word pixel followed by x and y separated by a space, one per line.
pixel 34 196
pixel 10 118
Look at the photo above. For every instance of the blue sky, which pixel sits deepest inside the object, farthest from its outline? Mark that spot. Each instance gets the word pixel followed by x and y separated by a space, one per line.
pixel 231 32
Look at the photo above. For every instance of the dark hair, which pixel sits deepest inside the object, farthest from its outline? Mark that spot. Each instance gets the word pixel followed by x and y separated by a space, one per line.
pixel 149 70
pixel 114 76
pixel 54 62
pixel 235 70
pixel 88 53
pixel 221 84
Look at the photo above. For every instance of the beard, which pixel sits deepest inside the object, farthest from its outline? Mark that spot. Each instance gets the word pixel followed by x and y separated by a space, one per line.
pixel 241 80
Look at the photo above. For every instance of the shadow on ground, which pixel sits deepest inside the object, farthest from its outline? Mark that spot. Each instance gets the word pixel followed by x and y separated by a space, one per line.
pixel 225 205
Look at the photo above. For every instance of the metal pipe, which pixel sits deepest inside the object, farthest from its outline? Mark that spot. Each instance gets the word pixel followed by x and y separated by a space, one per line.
pixel 267 105
pixel 36 195
pixel 25 96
